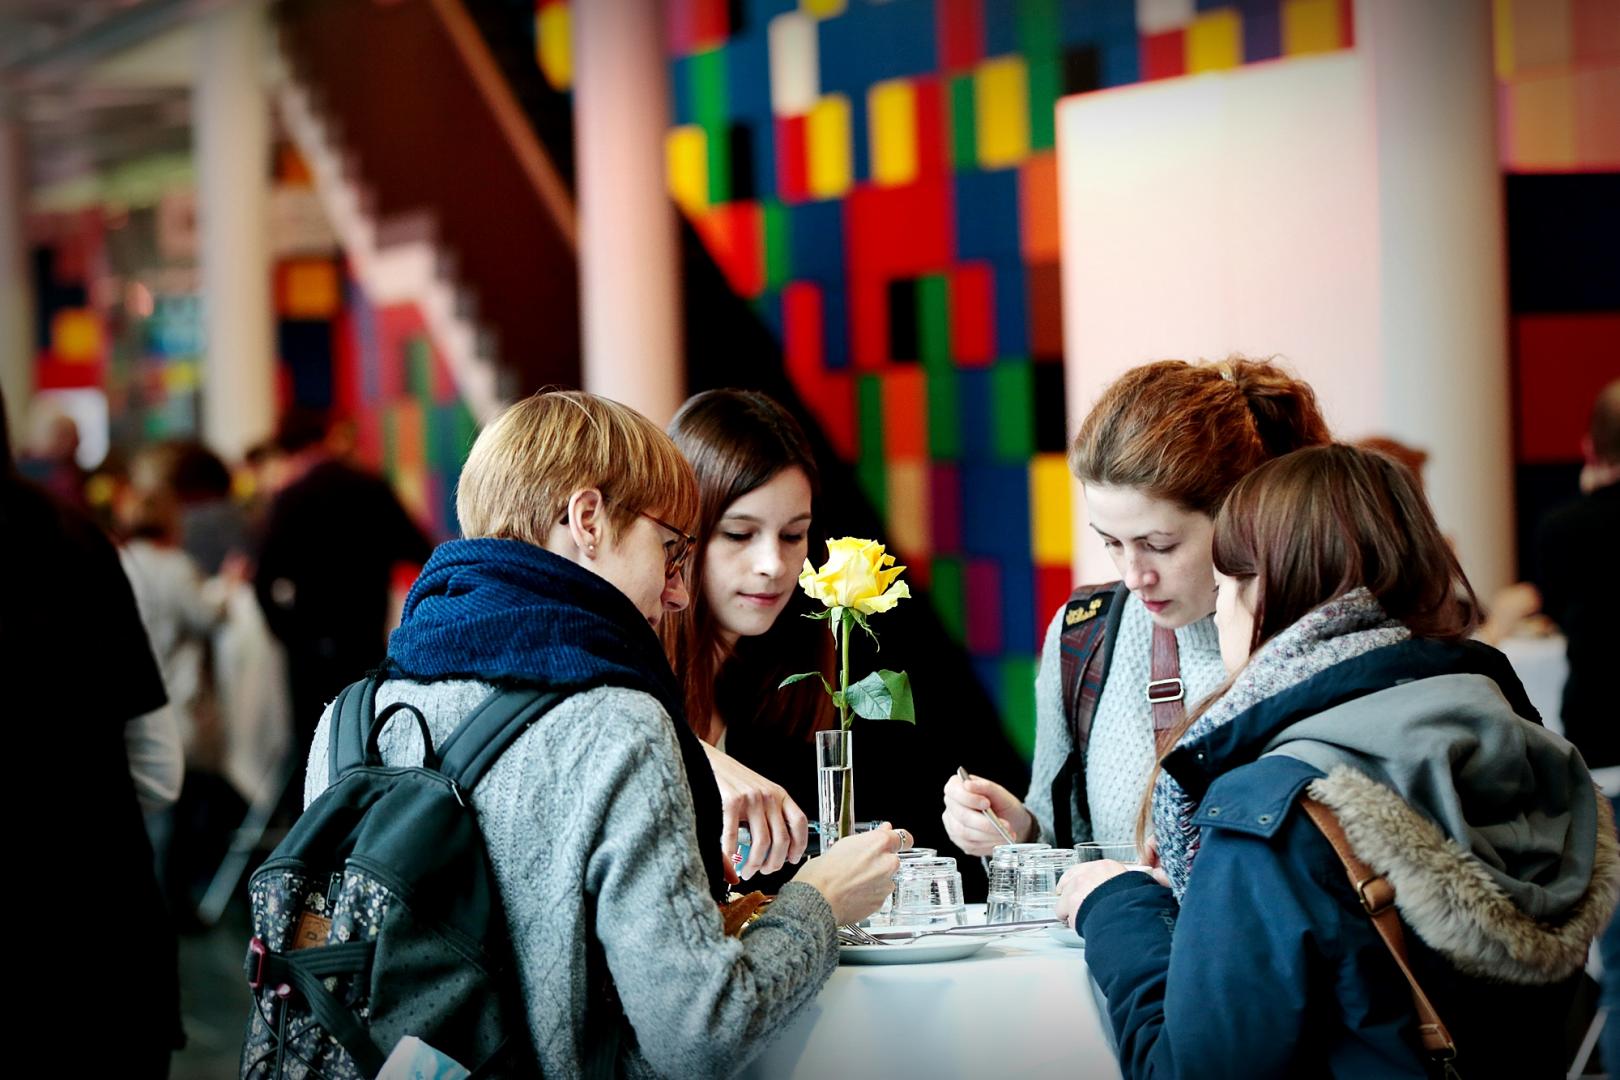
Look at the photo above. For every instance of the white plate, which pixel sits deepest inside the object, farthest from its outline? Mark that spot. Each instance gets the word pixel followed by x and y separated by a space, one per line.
pixel 1064 936
pixel 922 951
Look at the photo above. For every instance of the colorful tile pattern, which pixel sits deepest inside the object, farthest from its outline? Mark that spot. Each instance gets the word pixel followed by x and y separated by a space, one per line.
pixel 884 176
pixel 1558 79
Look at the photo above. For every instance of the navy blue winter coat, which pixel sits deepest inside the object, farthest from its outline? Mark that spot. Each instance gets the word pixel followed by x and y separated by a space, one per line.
pixel 1270 966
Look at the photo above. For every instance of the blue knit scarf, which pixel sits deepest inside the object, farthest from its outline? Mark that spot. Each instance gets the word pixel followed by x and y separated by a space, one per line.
pixel 508 612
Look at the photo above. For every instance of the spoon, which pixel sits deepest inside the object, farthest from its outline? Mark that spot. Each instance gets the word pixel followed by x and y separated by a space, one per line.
pixel 962 775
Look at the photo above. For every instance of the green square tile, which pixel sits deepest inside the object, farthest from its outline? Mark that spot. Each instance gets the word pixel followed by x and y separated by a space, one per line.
pixel 464 432
pixel 944 415
pixel 1045 83
pixel 1038 29
pixel 419 369
pixel 934 322
pixel 946 589
pixel 964 142
pixel 778 254
pixel 1012 410
pixel 1018 703
pixel 870 470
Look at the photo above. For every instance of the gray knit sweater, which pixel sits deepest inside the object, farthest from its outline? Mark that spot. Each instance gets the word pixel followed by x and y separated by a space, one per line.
pixel 588 823
pixel 1120 755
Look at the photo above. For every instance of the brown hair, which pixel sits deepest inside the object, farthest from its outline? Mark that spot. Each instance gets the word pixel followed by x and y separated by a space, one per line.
pixel 526 463
pixel 1313 525
pixel 738 441
pixel 1188 432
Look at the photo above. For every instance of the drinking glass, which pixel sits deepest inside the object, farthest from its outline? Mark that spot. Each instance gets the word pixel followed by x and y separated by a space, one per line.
pixel 835 785
pixel 1037 879
pixel 1001 901
pixel 1119 850
pixel 928 895
pixel 885 914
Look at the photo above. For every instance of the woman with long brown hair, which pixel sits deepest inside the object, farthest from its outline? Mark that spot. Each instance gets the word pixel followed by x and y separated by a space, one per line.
pixel 1156 456
pixel 757 483
pixel 1357 709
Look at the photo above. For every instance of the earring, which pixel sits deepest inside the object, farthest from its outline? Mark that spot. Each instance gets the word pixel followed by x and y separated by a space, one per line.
pixel 590 550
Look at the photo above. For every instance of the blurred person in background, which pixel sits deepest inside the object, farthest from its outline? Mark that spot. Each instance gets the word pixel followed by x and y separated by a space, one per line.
pixel 213 523
pixel 182 609
pixel 98 732
pixel 332 537
pixel 1578 572
pixel 51 457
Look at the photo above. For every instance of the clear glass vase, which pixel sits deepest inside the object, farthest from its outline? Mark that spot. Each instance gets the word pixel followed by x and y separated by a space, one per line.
pixel 835 786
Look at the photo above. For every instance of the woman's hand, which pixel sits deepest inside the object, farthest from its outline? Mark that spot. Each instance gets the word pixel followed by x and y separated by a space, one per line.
pixel 779 832
pixel 1079 882
pixel 967 826
pixel 857 873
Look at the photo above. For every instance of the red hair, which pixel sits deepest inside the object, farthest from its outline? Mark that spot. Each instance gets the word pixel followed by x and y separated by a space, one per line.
pixel 1189 432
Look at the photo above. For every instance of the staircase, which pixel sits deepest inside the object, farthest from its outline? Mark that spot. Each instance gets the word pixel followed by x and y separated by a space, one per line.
pixel 481 240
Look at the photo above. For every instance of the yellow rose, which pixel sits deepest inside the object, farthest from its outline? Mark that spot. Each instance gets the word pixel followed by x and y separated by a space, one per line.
pixel 858 574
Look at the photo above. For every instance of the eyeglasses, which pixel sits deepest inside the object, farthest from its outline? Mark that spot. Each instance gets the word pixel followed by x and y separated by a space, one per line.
pixel 676 557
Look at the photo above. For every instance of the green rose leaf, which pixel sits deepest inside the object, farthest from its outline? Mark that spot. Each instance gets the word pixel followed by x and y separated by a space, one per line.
pixel 800 677
pixel 883 695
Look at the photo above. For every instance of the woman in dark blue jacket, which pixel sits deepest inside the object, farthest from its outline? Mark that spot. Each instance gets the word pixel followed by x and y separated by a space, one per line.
pixel 1344 618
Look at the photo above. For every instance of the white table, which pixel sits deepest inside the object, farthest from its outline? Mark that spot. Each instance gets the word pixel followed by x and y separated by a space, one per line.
pixel 1024 1006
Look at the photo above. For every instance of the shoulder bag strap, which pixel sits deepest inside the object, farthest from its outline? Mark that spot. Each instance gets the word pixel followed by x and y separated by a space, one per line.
pixel 1165 693
pixel 1377 898
pixel 1091 621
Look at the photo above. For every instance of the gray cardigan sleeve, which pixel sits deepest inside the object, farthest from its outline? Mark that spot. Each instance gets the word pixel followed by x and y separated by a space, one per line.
pixel 1052 742
pixel 701 1004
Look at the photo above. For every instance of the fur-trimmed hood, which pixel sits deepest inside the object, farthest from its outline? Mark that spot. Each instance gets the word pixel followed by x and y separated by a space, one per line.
pixel 1501 851
pixel 1454 901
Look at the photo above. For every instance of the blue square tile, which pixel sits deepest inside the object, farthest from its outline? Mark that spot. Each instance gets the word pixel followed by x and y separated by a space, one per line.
pixel 816 239
pixel 995 515
pixel 973 401
pixel 748 75
pixel 872 42
pixel 680 90
pixel 1018 603
pixel 1012 313
pixel 1121 61
pixel 986 213
pixel 1085 22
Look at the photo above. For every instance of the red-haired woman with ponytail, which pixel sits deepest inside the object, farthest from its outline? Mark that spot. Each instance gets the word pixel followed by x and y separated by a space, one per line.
pixel 1156 456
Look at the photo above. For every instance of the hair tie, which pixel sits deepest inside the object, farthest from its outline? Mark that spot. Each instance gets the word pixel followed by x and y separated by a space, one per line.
pixel 1225 369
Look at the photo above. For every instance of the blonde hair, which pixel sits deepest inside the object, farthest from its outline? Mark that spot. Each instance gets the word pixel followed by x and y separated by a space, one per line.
pixel 528 460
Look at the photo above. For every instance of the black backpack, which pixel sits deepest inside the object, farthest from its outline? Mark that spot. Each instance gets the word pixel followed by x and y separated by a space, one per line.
pixel 378 916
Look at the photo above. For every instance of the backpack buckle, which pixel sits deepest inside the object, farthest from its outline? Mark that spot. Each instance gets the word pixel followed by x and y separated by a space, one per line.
pixel 254 966
pixel 1163 691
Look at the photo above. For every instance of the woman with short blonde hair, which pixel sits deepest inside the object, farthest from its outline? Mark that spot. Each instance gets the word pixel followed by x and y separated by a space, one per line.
pixel 601 820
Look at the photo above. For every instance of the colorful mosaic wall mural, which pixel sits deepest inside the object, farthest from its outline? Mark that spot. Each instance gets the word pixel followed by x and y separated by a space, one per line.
pixel 1558 75
pixel 880 180
pixel 1558 93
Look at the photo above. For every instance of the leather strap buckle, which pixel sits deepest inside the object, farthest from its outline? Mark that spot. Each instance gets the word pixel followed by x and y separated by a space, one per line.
pixel 1376 894
pixel 1163 691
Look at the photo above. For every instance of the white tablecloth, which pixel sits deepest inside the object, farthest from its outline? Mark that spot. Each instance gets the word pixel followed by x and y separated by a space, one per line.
pixel 1023 1006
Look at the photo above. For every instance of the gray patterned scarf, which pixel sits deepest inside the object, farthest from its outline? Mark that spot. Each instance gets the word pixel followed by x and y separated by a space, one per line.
pixel 1339 630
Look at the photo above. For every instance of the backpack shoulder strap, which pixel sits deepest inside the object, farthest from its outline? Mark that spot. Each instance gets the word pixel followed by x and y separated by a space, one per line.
pixel 1377 898
pixel 1091 621
pixel 486 732
pixel 352 714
